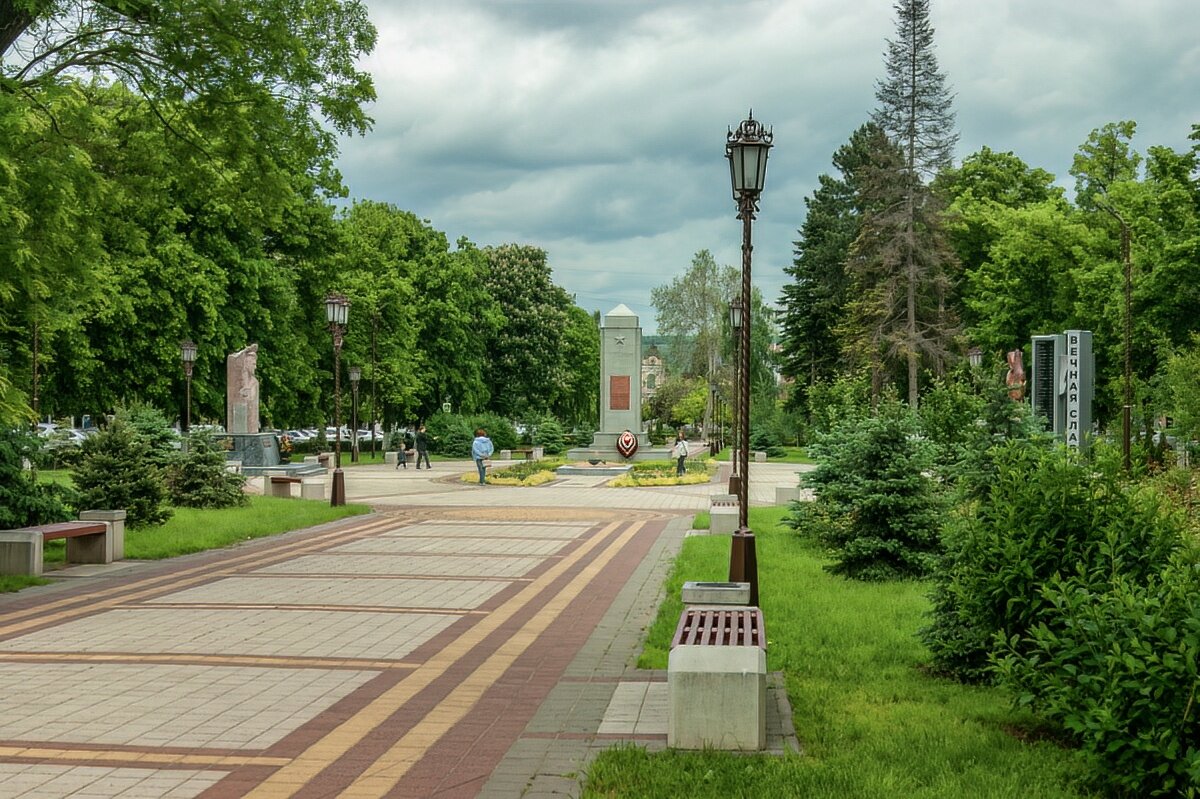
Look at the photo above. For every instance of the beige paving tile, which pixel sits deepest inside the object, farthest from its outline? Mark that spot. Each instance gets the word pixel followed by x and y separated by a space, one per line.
pixel 456 594
pixel 495 529
pixel 172 705
pixel 227 631
pixel 432 565
pixel 394 544
pixel 48 781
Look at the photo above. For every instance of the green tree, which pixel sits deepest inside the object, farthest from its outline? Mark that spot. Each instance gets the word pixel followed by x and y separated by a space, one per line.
pixel 903 236
pixel 525 368
pixel 900 267
pixel 813 304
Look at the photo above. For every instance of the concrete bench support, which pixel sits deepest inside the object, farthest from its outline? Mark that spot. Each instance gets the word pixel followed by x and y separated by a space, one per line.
pixel 115 519
pixel 717 689
pixel 20 552
pixel 760 457
pixel 505 455
pixel 312 489
pixel 391 458
pixel 786 495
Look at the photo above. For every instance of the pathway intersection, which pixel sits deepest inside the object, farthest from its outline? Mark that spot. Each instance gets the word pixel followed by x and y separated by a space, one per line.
pixel 461 641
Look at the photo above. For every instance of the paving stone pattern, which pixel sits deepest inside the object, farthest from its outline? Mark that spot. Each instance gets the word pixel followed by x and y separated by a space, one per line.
pixel 461 642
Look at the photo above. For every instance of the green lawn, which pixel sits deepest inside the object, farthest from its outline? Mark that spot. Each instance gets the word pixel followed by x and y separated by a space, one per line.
pixel 792 455
pixel 11 583
pixel 194 530
pixel 871 722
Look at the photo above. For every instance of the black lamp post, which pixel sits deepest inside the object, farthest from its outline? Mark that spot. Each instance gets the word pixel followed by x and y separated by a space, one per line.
pixel 355 376
pixel 337 310
pixel 187 354
pixel 735 324
pixel 747 149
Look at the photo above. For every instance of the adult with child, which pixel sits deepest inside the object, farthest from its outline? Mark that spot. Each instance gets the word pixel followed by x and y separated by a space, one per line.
pixel 481 450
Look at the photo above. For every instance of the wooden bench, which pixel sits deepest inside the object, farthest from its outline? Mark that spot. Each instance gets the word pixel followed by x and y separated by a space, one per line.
pixel 717 679
pixel 281 485
pixel 87 542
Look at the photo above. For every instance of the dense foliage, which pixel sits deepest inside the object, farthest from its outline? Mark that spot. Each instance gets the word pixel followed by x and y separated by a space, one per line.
pixel 1119 668
pixel 22 501
pixel 1045 515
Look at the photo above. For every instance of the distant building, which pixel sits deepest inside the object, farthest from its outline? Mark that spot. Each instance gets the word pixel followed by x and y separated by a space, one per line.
pixel 653 373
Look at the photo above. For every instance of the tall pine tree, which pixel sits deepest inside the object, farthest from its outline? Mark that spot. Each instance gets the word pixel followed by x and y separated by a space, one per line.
pixel 903 260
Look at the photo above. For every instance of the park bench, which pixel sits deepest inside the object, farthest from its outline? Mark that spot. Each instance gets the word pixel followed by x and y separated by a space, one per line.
pixel 722 514
pixel 87 542
pixel 717 679
pixel 280 485
pixel 530 453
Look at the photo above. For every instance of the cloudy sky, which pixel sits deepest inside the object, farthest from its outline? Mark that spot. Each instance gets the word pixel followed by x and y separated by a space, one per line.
pixel 596 130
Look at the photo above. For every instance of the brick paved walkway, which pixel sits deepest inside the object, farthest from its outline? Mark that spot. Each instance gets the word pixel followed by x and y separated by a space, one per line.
pixel 462 641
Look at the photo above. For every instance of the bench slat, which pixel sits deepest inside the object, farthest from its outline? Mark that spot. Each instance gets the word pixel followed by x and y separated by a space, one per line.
pixel 57 530
pixel 720 627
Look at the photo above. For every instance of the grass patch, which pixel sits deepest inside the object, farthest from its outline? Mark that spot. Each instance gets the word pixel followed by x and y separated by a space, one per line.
pixel 662 473
pixel 872 723
pixel 11 583
pixel 792 455
pixel 198 530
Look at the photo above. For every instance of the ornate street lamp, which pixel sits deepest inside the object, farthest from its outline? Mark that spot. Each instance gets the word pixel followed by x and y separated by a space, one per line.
pixel 735 324
pixel 747 149
pixel 975 357
pixel 337 311
pixel 355 376
pixel 187 355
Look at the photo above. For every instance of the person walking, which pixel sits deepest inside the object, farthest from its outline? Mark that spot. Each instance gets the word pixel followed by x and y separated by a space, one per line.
pixel 481 450
pixel 680 452
pixel 423 447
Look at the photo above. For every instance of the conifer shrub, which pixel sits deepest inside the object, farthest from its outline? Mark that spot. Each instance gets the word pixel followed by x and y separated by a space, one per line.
pixel 153 427
pixel 549 435
pixel 24 503
pixel 1047 514
pixel 199 479
pixel 117 472
pixel 877 505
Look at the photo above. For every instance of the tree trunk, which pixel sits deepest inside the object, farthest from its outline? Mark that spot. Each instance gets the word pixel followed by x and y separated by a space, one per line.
pixel 13 22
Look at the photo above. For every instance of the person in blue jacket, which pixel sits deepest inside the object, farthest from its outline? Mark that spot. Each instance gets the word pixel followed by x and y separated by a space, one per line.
pixel 481 450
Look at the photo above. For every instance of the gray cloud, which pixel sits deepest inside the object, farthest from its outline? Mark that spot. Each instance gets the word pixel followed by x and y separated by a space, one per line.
pixel 596 129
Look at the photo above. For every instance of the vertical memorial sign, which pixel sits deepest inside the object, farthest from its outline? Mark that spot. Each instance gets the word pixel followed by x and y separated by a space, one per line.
pixel 1072 379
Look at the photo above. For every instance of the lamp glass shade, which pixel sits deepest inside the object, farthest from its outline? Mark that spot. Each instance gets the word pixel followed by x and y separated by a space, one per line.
pixel 975 357
pixel 187 351
pixel 735 315
pixel 337 309
pixel 355 374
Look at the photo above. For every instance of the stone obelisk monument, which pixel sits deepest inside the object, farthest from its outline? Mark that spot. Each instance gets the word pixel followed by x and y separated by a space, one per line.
pixel 620 394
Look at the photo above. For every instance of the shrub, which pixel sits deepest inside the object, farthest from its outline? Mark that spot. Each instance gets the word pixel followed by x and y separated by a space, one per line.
pixel 22 501
pixel 116 472
pixel 450 434
pixel 881 504
pixel 549 435
pixel 398 440
pixel 499 430
pixel 199 478
pixel 765 438
pixel 153 427
pixel 1119 670
pixel 1047 514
